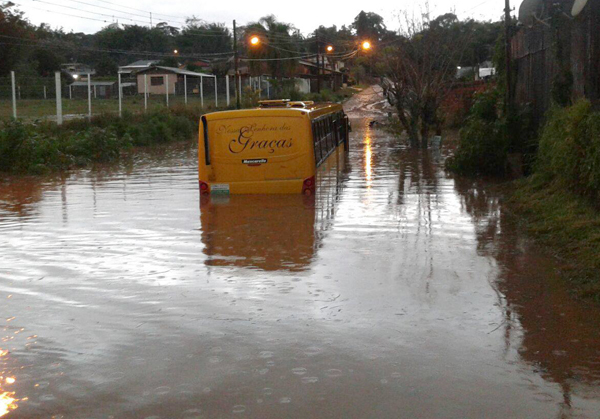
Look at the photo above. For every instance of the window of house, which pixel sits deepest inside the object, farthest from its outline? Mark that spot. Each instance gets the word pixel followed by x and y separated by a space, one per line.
pixel 157 81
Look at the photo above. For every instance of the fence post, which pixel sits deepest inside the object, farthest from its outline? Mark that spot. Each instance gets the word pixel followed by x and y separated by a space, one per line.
pixel 59 115
pixel 70 92
pixel 227 88
pixel 167 89
pixel 201 92
pixel 14 94
pixel 45 93
pixel 240 86
pixel 145 92
pixel 185 88
pixel 89 96
pixel 269 89
pixel 120 94
pixel 216 92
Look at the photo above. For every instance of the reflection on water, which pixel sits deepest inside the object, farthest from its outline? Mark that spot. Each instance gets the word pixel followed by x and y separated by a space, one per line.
pixel 368 158
pixel 560 340
pixel 8 402
pixel 272 232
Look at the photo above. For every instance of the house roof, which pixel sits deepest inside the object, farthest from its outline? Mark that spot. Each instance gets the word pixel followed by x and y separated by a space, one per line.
pixel 93 83
pixel 174 70
pixel 315 65
pixel 140 64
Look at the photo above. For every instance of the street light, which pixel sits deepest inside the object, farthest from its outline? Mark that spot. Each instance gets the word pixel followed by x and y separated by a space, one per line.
pixel 255 40
pixel 175 51
pixel 329 48
pixel 366 45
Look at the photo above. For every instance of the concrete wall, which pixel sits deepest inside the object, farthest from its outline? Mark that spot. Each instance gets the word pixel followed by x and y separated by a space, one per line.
pixel 303 85
pixel 157 90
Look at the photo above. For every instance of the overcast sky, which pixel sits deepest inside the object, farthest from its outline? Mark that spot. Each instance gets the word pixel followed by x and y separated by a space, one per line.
pixel 305 15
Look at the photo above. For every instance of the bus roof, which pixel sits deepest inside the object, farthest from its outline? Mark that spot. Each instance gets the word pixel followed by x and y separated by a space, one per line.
pixel 312 111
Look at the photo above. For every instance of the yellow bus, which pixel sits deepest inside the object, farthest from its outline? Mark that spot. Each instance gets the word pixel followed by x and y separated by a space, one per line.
pixel 275 148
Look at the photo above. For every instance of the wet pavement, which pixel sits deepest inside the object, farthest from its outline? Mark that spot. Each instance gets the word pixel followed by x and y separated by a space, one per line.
pixel 397 292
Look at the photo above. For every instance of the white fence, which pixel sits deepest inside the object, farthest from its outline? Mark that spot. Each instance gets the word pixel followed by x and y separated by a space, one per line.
pixel 55 98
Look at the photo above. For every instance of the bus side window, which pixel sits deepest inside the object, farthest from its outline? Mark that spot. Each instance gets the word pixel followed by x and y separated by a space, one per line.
pixel 334 127
pixel 317 145
pixel 322 139
pixel 328 139
pixel 340 128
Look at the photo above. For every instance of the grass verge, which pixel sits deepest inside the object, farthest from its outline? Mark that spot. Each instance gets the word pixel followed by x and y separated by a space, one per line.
pixel 567 224
pixel 41 147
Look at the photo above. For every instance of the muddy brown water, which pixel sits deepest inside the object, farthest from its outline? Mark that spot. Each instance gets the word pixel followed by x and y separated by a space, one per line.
pixel 397 292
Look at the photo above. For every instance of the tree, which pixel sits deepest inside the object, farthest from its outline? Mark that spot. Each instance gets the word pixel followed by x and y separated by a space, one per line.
pixel 419 71
pixel 15 29
pixel 47 61
pixel 169 62
pixel 279 42
pixel 106 66
pixel 138 39
pixel 204 38
pixel 369 26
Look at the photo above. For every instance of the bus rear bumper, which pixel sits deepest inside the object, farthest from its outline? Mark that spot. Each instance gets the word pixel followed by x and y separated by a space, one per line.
pixel 288 186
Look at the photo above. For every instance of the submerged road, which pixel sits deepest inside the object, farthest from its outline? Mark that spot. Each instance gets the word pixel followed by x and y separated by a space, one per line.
pixel 398 292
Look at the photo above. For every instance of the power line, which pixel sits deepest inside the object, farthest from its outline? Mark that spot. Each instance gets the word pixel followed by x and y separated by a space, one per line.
pixel 106 8
pixel 139 10
pixel 476 6
pixel 86 11
pixel 61 13
pixel 45 45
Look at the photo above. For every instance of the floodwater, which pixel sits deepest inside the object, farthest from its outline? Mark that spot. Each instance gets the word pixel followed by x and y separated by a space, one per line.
pixel 397 292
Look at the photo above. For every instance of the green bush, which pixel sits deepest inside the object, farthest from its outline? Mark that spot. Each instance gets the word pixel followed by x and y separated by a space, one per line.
pixel 484 140
pixel 44 146
pixel 569 149
pixel 96 145
pixel 250 97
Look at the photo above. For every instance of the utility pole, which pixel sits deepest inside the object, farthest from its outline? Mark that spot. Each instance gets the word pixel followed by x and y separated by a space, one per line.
pixel 235 59
pixel 509 84
pixel 150 20
pixel 323 67
pixel 318 65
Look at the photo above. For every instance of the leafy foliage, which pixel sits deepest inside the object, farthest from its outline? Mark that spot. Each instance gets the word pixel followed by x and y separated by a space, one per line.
pixel 42 147
pixel 484 140
pixel 279 41
pixel 419 71
pixel 569 149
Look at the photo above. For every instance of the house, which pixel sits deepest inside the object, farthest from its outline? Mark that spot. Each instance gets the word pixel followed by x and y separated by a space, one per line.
pixel 161 80
pixel 100 89
pixel 77 70
pixel 331 74
pixel 483 71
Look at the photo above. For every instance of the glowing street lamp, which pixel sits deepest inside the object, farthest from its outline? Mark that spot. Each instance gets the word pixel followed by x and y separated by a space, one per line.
pixel 175 51
pixel 329 48
pixel 366 45
pixel 255 40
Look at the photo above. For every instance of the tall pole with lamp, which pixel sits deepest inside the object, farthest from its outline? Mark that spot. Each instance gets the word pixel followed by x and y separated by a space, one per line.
pixel 509 85
pixel 236 71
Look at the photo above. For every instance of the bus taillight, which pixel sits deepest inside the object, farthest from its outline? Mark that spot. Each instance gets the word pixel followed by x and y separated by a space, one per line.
pixel 204 189
pixel 308 187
